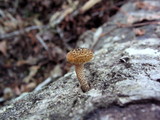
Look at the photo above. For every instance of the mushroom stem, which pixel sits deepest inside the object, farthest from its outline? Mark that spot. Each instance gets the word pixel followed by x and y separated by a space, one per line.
pixel 81 77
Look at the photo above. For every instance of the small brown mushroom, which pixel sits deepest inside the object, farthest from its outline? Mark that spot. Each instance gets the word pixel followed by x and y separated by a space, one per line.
pixel 79 57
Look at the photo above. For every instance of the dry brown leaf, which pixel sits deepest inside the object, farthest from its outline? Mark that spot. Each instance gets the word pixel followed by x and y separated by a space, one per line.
pixel 21 62
pixel 139 32
pixel 56 72
pixel 17 90
pixel 3 47
pixel 8 93
pixel 11 22
pixel 30 61
pixel 28 87
pixel 32 73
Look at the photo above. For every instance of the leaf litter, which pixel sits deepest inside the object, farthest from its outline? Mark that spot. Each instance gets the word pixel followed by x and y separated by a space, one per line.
pixel 36 35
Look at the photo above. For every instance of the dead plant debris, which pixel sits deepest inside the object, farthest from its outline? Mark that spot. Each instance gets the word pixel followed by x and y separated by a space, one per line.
pixel 31 48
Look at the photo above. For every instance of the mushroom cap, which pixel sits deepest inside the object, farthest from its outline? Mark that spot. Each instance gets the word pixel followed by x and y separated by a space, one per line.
pixel 79 56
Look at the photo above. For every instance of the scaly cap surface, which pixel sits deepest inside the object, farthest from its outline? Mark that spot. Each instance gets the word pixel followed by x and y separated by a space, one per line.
pixel 79 56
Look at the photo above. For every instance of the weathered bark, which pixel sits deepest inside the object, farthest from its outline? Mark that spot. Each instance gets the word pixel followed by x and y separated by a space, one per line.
pixel 125 72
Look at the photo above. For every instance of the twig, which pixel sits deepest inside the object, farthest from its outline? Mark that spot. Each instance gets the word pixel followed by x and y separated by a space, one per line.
pixel 102 35
pixel 61 35
pixel 44 83
pixel 96 36
pixel 19 32
pixel 42 42
pixel 59 16
pixel 89 5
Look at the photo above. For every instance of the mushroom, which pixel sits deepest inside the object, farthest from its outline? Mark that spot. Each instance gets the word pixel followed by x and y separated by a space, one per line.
pixel 79 57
